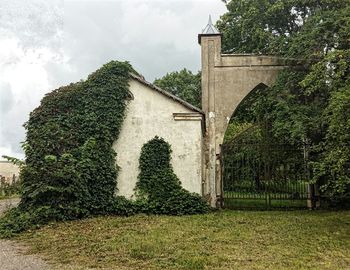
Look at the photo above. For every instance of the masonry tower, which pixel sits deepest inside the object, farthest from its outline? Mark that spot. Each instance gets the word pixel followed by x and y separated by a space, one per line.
pixel 226 80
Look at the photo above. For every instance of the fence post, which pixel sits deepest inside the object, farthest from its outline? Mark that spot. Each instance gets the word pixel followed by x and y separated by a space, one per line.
pixel 310 196
pixel 310 187
pixel 317 197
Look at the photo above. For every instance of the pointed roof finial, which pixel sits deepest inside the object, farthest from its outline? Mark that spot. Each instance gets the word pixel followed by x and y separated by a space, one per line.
pixel 210 28
pixel 209 21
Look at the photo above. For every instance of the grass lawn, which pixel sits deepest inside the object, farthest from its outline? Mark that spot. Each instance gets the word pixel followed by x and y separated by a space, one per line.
pixel 220 240
pixel 12 196
pixel 253 203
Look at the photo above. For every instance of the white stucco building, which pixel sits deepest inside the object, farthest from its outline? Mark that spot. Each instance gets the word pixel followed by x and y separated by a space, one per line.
pixel 155 112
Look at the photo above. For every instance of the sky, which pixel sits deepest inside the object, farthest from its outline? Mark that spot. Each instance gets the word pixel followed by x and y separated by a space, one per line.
pixel 46 44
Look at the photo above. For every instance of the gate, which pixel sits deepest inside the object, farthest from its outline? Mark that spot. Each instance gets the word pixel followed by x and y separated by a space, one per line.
pixel 264 176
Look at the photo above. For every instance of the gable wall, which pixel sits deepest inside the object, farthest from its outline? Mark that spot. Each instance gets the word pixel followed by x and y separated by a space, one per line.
pixel 148 115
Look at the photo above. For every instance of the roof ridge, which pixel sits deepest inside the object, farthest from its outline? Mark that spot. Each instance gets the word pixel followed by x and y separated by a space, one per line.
pixel 142 80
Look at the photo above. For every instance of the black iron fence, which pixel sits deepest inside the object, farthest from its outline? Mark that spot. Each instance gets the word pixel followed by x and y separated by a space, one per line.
pixel 265 176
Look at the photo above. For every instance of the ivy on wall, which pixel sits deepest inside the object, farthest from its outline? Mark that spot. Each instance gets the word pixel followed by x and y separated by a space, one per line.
pixel 70 169
pixel 158 185
pixel 70 163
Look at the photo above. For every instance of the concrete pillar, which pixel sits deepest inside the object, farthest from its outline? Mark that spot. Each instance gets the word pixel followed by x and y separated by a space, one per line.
pixel 226 80
pixel 210 52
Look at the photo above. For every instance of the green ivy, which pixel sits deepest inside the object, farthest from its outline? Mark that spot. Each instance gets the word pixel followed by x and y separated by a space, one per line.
pixel 159 188
pixel 70 169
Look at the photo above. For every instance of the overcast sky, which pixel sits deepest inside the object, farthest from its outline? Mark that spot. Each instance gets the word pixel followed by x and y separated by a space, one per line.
pixel 48 43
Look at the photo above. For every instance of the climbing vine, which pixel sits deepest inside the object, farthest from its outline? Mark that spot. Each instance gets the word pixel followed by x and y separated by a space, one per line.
pixel 70 169
pixel 158 185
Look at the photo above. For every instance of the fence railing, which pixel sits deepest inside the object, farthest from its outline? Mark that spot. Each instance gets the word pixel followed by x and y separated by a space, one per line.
pixel 265 176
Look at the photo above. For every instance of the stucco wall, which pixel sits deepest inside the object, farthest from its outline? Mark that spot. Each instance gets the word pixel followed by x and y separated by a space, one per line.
pixel 150 114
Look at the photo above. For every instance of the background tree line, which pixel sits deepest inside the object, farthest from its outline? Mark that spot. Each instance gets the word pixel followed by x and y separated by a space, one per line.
pixel 309 105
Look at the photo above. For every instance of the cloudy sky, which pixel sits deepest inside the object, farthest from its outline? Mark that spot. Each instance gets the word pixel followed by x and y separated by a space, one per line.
pixel 45 44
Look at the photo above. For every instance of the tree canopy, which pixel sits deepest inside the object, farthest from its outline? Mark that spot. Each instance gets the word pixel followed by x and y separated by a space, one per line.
pixel 298 28
pixel 308 105
pixel 183 84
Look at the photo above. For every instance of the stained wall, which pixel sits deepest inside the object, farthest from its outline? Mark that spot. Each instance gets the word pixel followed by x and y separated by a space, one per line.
pixel 151 114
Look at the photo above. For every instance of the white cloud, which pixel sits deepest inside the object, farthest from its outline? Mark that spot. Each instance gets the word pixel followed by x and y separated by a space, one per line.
pixel 23 82
pixel 46 44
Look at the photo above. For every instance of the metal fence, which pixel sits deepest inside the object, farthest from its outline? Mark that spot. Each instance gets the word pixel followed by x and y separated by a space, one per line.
pixel 264 176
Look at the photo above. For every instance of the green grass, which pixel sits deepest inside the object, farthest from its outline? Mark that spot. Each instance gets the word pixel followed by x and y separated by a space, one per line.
pixel 252 203
pixel 263 200
pixel 12 196
pixel 220 240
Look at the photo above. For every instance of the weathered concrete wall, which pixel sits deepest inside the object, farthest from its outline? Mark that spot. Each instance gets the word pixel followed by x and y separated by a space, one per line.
pixel 233 84
pixel 152 114
pixel 8 170
pixel 226 80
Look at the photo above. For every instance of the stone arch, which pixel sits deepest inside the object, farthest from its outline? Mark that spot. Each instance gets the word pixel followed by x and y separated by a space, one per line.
pixel 259 86
pixel 227 79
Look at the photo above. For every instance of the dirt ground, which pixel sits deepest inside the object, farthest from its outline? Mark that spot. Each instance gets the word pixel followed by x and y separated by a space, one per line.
pixel 12 254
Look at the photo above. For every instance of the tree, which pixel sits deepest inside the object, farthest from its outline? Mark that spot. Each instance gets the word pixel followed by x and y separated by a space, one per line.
pixel 309 104
pixel 289 27
pixel 183 84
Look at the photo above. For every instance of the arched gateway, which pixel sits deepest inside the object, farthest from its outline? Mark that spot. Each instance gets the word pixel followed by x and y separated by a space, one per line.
pixel 226 80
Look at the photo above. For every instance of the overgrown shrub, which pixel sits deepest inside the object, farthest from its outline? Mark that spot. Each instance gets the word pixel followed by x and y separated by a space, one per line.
pixel 332 170
pixel 16 220
pixel 159 188
pixel 70 169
